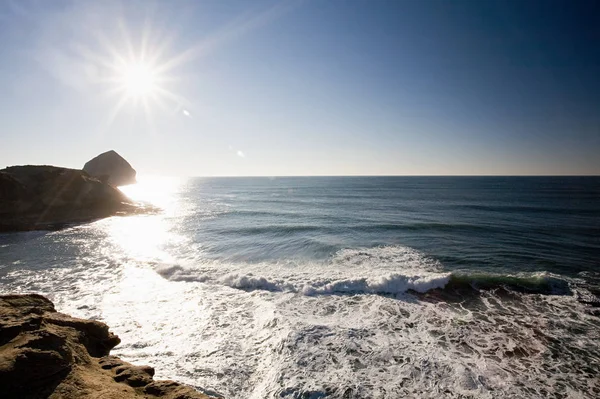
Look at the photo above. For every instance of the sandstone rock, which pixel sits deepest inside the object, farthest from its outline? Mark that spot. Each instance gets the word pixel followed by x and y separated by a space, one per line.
pixel 47 197
pixel 46 354
pixel 112 168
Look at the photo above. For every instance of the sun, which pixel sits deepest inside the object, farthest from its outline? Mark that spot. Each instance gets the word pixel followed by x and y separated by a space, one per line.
pixel 138 80
pixel 141 81
pixel 139 75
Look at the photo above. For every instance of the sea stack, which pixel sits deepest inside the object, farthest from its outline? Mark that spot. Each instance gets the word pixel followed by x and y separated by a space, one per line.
pixel 112 168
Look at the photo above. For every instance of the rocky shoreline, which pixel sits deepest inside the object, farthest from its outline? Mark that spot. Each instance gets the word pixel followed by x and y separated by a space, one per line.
pixel 43 197
pixel 49 197
pixel 47 354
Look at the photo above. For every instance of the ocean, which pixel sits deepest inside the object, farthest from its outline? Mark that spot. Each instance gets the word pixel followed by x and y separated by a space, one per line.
pixel 340 287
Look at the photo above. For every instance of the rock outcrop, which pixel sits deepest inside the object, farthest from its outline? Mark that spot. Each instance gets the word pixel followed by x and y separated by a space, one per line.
pixel 48 197
pixel 46 354
pixel 112 168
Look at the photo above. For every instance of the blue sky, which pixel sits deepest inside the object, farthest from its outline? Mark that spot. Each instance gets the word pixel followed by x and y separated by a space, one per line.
pixel 309 87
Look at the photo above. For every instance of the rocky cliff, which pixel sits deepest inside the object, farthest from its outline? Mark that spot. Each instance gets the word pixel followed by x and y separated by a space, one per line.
pixel 112 168
pixel 46 354
pixel 47 197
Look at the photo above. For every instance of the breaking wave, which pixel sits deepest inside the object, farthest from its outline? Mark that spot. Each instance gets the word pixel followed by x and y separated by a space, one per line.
pixel 536 283
pixel 377 271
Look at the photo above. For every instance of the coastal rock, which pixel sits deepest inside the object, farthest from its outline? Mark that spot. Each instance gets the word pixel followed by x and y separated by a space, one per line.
pixel 112 168
pixel 46 354
pixel 47 197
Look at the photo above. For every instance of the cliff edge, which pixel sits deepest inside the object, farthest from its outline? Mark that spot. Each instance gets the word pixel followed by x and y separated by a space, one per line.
pixel 46 354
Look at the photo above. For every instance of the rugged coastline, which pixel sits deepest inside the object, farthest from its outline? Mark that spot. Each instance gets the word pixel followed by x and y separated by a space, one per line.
pixel 47 354
pixel 42 197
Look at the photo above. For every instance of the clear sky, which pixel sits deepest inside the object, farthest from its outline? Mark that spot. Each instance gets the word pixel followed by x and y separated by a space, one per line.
pixel 314 87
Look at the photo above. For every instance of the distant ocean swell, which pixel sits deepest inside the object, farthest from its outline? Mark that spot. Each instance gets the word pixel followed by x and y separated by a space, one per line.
pixel 506 209
pixel 292 228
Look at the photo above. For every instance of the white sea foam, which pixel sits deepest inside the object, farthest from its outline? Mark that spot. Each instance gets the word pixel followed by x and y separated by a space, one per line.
pixel 367 271
pixel 388 284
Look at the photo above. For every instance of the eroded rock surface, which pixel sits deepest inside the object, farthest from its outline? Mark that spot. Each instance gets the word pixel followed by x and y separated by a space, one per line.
pixel 46 354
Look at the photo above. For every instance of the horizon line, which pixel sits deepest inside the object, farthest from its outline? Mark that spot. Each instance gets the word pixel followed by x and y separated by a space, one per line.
pixel 277 176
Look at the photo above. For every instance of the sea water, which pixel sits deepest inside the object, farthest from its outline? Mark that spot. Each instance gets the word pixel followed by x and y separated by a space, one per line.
pixel 340 287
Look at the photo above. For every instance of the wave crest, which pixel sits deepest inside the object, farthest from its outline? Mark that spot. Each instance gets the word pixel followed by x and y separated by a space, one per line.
pixel 250 282
pixel 392 284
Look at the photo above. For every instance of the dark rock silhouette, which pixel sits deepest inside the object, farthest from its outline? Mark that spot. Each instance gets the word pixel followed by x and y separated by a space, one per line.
pixel 112 168
pixel 48 197
pixel 46 354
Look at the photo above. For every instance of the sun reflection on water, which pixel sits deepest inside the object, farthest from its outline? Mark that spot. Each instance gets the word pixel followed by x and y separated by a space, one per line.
pixel 140 305
pixel 157 190
pixel 145 238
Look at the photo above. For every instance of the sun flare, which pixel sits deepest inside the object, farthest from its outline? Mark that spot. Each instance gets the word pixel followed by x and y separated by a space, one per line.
pixel 141 78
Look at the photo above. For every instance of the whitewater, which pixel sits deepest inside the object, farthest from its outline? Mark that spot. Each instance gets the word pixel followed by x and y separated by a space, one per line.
pixel 340 287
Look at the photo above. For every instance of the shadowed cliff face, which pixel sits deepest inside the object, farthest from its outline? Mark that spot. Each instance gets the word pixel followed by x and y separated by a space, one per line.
pixel 46 197
pixel 112 168
pixel 46 354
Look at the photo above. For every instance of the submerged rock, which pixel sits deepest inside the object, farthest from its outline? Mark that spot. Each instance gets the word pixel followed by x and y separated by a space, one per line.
pixel 46 354
pixel 48 197
pixel 112 168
